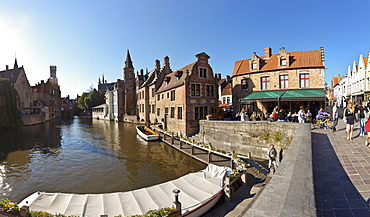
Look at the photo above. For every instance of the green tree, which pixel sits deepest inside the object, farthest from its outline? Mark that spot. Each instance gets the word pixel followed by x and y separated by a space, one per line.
pixel 10 114
pixel 89 100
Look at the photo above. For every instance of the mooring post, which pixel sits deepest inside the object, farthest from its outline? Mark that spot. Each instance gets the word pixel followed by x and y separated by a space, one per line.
pixel 164 136
pixel 180 144
pixel 192 150
pixel 231 164
pixel 227 189
pixel 176 203
pixel 209 156
pixel 172 139
pixel 24 211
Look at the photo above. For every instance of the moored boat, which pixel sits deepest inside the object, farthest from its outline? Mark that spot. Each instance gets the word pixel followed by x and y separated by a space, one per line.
pixel 199 192
pixel 146 133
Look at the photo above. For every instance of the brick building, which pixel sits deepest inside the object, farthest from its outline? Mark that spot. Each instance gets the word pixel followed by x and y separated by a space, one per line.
pixel 285 79
pixel 19 79
pixel 178 99
pixel 46 96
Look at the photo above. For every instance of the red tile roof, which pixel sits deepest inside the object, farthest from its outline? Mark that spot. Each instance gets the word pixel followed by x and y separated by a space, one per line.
pixel 299 59
pixel 227 90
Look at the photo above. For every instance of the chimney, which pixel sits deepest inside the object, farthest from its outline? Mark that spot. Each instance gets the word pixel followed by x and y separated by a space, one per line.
pixel 157 65
pixel 7 67
pixel 268 52
pixel 338 75
pixel 42 81
pixel 322 55
pixel 141 72
pixel 166 65
pixel 228 78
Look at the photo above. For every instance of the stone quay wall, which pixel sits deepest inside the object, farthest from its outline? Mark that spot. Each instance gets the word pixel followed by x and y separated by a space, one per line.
pixel 243 137
pixel 290 192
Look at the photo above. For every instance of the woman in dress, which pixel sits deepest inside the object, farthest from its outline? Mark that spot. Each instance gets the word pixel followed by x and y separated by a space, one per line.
pixel 349 113
pixel 301 115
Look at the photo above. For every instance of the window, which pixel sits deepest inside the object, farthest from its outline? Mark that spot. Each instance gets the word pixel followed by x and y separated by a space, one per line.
pixel 210 90
pixel 244 83
pixel 153 109
pixel 153 92
pixel 254 65
pixel 284 82
pixel 179 113
pixel 173 95
pixel 304 80
pixel 202 72
pixel 172 114
pixel 201 112
pixel 195 90
pixel 166 110
pixel 149 109
pixel 283 61
pixel 162 95
pixel 158 97
pixel 158 111
pixel 168 95
pixel 265 83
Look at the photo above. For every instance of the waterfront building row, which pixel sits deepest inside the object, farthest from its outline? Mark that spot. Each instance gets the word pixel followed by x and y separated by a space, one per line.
pixel 179 99
pixel 38 103
pixel 355 85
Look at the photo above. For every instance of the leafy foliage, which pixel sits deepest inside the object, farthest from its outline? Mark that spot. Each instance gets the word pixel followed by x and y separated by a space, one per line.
pixel 10 113
pixel 162 212
pixel 89 100
pixel 7 206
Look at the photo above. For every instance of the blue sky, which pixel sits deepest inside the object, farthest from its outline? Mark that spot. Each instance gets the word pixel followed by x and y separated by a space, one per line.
pixel 86 39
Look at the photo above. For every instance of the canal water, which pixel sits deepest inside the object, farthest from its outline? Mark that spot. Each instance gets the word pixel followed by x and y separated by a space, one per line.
pixel 81 155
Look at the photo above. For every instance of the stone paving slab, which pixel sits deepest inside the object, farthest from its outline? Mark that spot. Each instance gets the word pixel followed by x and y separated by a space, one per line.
pixel 341 172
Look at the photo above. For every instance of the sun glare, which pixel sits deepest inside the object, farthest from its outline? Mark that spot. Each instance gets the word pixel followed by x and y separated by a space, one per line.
pixel 9 44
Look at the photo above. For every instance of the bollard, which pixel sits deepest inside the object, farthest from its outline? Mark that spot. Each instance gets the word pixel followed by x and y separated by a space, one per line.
pixel 227 189
pixel 164 136
pixel 172 139
pixel 192 150
pixel 24 211
pixel 176 203
pixel 180 144
pixel 231 164
pixel 250 155
pixel 209 157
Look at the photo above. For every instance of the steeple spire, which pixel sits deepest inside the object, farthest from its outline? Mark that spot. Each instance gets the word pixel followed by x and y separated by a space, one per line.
pixel 15 63
pixel 128 62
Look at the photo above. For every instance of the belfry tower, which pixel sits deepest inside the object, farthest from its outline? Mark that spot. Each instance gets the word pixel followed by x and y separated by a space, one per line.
pixel 130 86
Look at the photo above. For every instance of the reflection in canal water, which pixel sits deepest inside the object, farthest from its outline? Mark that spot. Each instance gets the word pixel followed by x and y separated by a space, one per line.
pixel 84 156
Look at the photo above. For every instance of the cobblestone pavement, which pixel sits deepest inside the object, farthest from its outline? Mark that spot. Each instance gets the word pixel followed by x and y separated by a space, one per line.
pixel 341 172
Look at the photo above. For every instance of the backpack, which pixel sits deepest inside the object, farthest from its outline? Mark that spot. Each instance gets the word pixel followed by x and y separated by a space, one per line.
pixel 272 153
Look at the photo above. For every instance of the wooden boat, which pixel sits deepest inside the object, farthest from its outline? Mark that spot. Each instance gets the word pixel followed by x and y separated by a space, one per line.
pixel 146 133
pixel 199 192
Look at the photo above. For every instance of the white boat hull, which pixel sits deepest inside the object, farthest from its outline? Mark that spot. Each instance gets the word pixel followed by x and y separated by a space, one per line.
pixel 150 137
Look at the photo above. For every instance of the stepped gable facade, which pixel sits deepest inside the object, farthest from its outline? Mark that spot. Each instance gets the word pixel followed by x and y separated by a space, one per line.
pixel 272 75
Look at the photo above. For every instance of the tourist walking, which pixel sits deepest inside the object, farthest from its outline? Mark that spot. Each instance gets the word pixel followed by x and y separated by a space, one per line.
pixel 301 115
pixel 335 118
pixel 361 116
pixel 271 155
pixel 349 115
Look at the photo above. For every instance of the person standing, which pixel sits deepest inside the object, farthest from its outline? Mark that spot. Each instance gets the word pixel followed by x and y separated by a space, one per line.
pixel 335 118
pixel 367 126
pixel 301 115
pixel 271 155
pixel 361 116
pixel 349 114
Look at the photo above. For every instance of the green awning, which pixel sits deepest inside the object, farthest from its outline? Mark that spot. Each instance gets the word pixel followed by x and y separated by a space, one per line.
pixel 264 96
pixel 303 95
pixel 286 95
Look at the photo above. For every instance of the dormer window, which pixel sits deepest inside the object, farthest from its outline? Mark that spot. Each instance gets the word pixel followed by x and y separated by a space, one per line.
pixel 254 65
pixel 283 61
pixel 167 80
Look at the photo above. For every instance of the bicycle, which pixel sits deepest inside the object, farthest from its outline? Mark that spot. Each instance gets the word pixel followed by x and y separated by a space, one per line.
pixel 324 123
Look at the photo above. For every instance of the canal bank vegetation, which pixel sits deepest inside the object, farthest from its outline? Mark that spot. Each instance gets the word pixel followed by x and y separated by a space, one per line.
pixel 10 113
pixel 13 208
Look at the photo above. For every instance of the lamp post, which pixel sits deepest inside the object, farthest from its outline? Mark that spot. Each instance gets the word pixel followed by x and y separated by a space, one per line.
pixel 177 203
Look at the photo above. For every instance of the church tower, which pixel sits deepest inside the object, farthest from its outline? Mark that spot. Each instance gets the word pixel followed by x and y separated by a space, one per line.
pixel 130 86
pixel 53 75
